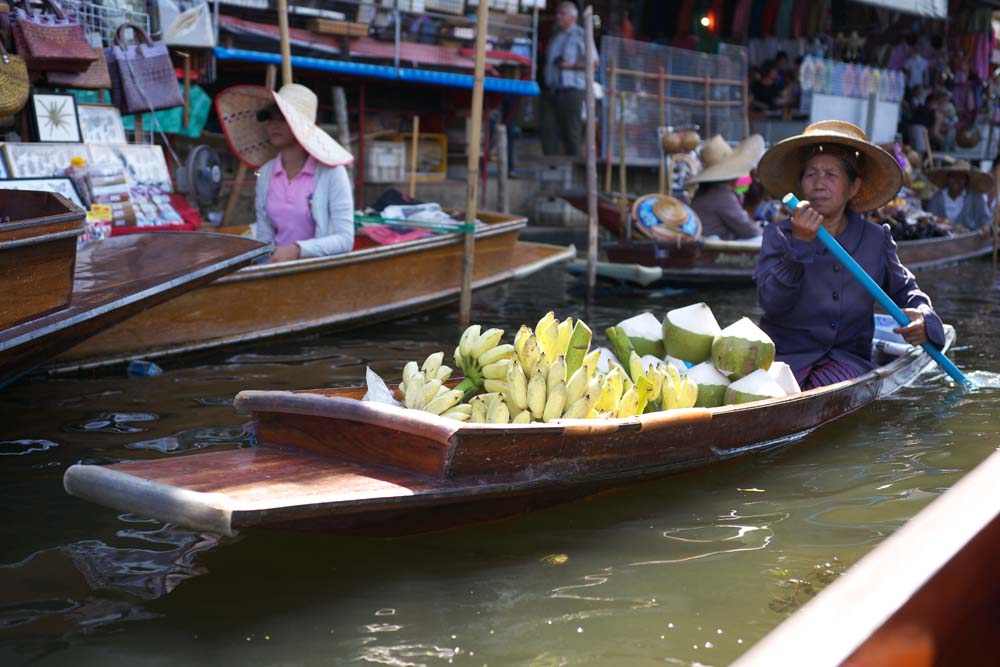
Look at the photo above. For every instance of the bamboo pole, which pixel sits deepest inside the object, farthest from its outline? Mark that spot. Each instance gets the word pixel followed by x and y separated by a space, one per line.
pixel 472 176
pixel 343 127
pixel 663 124
pixel 286 47
pixel 413 156
pixel 503 166
pixel 609 100
pixel 622 197
pixel 996 213
pixel 590 141
pixel 708 107
pixel 187 87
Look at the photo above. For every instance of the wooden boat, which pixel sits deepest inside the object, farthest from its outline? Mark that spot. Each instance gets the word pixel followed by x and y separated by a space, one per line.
pixel 365 285
pixel 927 596
pixel 329 461
pixel 712 262
pixel 54 296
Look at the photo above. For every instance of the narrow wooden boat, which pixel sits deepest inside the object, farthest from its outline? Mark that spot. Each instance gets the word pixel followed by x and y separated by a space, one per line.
pixel 365 285
pixel 327 460
pixel 54 296
pixel 929 595
pixel 711 262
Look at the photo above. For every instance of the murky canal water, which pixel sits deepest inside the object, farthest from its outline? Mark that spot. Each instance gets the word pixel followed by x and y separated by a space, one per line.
pixel 688 570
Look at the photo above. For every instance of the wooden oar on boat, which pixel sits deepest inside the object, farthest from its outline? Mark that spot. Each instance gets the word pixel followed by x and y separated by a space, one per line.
pixel 791 201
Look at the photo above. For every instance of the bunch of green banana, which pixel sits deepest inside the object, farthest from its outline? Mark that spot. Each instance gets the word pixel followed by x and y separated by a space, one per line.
pixel 423 388
pixel 483 360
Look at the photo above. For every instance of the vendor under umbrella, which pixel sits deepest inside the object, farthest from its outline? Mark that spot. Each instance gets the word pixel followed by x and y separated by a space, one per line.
pixel 716 202
pixel 303 204
pixel 960 197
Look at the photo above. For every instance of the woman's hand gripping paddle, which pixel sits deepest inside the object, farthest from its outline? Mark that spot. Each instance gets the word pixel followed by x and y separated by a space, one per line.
pixel 791 201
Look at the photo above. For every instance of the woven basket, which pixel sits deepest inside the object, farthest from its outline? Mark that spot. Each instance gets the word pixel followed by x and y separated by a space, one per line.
pixel 95 77
pixel 14 84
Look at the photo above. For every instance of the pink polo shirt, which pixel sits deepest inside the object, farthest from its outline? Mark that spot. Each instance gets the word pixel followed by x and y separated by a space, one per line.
pixel 288 203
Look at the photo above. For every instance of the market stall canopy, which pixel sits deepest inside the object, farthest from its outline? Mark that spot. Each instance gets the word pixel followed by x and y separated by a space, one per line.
pixel 933 8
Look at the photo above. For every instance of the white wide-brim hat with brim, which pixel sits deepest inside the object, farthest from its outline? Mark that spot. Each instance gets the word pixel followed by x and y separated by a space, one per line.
pixel 237 107
pixel 780 169
pixel 978 180
pixel 724 162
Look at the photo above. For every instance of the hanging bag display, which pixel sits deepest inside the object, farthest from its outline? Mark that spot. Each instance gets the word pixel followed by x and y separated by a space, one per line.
pixel 51 40
pixel 14 84
pixel 95 77
pixel 142 75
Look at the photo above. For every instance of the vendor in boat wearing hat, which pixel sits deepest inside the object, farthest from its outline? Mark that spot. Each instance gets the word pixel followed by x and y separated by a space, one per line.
pixel 818 315
pixel 304 205
pixel 960 197
pixel 716 202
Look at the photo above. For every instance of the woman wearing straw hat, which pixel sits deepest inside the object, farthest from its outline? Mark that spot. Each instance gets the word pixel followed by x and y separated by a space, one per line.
pixel 303 203
pixel 960 197
pixel 716 201
pixel 819 317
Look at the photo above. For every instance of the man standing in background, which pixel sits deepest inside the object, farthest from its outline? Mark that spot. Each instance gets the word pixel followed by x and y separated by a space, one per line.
pixel 564 79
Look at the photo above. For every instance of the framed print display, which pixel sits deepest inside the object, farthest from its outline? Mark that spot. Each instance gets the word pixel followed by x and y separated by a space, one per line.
pixel 59 184
pixel 144 164
pixel 30 160
pixel 101 124
pixel 55 118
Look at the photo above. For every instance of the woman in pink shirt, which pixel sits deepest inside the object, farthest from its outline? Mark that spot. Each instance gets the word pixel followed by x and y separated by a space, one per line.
pixel 303 204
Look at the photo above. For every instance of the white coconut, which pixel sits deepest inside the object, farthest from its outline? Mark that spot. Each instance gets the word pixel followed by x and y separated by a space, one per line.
pixel 606 361
pixel 754 387
pixel 688 332
pixel 711 385
pixel 783 375
pixel 646 334
pixel 649 360
pixel 741 348
pixel 682 366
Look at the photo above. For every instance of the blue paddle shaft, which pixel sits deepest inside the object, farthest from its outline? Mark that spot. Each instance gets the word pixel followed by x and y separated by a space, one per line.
pixel 837 250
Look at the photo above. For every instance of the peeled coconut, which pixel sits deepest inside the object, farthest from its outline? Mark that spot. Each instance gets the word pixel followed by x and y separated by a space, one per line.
pixel 782 373
pixel 606 361
pixel 711 385
pixel 645 333
pixel 682 366
pixel 754 387
pixel 688 332
pixel 741 348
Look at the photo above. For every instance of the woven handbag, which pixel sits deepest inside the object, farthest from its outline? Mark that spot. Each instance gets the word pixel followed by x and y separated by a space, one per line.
pixel 51 40
pixel 95 77
pixel 14 84
pixel 142 75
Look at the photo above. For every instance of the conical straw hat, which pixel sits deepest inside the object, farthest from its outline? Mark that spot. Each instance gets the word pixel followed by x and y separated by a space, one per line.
pixel 247 137
pixel 980 181
pixel 724 163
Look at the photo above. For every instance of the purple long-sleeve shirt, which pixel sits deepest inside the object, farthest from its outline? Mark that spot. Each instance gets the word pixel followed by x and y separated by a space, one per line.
pixel 813 307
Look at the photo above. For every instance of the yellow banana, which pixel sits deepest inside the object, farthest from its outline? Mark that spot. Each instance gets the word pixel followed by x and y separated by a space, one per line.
pixel 629 405
pixel 523 417
pixel 530 354
pixel 443 373
pixel 521 338
pixel 591 361
pixel 486 341
pixel 555 402
pixel 565 333
pixel 497 370
pixel 688 394
pixel 548 318
pixel 477 410
pixel 427 393
pixel 409 370
pixel 610 395
pixel 432 363
pixel 635 368
pixel 444 402
pixel 495 386
pixel 457 414
pixel 556 372
pixel 548 338
pixel 413 389
pixel 576 386
pixel 578 409
pixel 469 338
pixel 493 355
pixel 536 394
pixel 497 412
pixel 517 386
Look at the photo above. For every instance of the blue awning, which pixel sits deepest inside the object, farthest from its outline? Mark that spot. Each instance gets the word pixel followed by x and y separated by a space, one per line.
pixel 408 75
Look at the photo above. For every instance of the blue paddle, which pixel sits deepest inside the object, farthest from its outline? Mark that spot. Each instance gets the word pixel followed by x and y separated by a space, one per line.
pixel 791 201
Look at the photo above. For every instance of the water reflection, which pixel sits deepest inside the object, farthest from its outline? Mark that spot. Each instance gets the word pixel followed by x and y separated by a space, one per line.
pixel 199 438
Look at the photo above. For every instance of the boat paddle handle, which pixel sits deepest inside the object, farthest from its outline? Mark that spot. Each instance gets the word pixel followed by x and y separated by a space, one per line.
pixel 837 250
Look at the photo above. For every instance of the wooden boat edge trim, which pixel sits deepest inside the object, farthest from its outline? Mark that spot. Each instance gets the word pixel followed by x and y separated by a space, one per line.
pixel 413 422
pixel 127 493
pixel 35 240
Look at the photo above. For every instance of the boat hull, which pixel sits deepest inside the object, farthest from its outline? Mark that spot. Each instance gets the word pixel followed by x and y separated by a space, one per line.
pixel 328 461
pixel 328 292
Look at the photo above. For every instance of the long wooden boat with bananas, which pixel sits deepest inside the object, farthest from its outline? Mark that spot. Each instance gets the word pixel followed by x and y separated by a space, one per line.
pixel 327 460
pixel 366 285
pixel 925 597
pixel 701 261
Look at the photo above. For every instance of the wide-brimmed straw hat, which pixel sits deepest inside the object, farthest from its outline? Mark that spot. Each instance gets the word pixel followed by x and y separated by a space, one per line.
pixel 978 180
pixel 238 106
pixel 781 167
pixel 724 163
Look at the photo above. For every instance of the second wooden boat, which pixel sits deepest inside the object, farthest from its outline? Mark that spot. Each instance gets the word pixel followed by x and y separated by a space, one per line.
pixel 366 286
pixel 327 460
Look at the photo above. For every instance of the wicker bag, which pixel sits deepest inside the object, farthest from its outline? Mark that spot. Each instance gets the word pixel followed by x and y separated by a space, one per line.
pixel 142 75
pixel 95 77
pixel 51 40
pixel 14 84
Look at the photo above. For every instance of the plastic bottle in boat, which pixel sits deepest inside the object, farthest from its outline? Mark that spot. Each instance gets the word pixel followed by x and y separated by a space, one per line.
pixel 142 368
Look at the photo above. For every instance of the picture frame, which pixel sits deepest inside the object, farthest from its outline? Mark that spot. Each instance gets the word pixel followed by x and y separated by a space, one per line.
pixel 101 124
pixel 54 118
pixel 59 184
pixel 37 160
pixel 144 164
